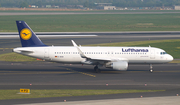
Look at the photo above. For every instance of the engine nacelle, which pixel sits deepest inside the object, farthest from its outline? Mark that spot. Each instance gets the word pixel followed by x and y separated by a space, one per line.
pixel 120 65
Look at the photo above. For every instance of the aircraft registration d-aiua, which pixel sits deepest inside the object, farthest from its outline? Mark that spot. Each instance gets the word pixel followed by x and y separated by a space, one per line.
pixel 116 58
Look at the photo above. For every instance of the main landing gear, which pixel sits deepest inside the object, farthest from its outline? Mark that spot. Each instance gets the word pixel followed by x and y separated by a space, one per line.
pixel 97 69
pixel 151 70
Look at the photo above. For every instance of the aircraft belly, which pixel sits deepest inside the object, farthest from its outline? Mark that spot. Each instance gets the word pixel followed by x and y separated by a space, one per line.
pixel 146 61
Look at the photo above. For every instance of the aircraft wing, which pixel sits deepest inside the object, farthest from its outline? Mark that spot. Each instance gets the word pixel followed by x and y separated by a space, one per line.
pixel 91 60
pixel 109 59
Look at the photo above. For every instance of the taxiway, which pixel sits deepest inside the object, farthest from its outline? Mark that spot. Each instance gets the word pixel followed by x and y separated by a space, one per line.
pixel 45 75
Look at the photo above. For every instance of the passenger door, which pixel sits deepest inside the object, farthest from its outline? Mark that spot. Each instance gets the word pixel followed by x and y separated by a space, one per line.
pixel 46 54
pixel 152 56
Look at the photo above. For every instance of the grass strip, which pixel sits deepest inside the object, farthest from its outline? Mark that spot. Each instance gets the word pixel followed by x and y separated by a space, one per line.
pixel 134 43
pixel 12 94
pixel 175 61
pixel 94 22
pixel 14 57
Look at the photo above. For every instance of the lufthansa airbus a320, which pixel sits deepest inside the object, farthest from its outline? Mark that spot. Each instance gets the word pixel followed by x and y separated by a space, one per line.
pixel 116 58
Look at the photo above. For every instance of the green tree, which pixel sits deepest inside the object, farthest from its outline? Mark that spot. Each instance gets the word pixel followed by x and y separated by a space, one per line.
pixel 86 4
pixel 89 3
pixel 23 4
pixel 39 3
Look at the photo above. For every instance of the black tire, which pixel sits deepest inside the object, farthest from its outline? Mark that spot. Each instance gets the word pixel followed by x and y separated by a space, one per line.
pixel 95 68
pixel 98 70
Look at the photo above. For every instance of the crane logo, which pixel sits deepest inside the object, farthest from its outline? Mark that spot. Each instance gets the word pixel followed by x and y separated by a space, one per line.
pixel 25 34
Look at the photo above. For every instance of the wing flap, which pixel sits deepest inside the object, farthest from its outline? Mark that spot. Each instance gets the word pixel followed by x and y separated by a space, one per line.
pixel 107 59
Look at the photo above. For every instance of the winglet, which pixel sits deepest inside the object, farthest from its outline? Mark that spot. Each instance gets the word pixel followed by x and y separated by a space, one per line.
pixel 80 52
pixel 74 44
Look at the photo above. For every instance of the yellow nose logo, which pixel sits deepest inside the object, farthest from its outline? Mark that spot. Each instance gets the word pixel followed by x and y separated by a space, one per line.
pixel 25 34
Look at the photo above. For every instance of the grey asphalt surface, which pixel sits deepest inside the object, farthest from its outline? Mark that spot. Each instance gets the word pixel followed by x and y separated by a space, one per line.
pixel 6 45
pixel 168 100
pixel 101 37
pixel 45 75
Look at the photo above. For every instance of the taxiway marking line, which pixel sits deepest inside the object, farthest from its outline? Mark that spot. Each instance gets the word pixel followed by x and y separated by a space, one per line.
pixel 139 71
pixel 5 72
pixel 157 71
pixel 81 72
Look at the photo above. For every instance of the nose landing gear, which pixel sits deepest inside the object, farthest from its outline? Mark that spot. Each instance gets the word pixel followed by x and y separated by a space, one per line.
pixel 151 70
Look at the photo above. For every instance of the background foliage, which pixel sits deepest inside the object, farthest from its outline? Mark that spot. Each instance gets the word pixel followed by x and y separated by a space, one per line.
pixel 89 3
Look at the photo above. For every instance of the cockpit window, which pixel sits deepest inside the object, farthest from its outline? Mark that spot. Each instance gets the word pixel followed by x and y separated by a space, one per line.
pixel 162 53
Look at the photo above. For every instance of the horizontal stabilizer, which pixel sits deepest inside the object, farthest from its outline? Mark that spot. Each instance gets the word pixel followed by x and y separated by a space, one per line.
pixel 22 50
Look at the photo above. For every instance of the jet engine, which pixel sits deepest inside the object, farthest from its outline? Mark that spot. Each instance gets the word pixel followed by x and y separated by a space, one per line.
pixel 119 65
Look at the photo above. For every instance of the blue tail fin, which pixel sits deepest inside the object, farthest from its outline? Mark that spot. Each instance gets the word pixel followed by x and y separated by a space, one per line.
pixel 27 36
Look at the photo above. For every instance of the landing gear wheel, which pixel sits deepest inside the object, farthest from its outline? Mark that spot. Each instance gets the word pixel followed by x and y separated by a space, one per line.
pixel 97 69
pixel 151 71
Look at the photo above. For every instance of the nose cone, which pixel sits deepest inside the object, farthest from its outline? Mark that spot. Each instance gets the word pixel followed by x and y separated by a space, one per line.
pixel 169 58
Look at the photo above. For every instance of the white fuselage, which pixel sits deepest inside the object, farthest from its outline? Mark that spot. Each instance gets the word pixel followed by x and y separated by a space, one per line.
pixel 69 54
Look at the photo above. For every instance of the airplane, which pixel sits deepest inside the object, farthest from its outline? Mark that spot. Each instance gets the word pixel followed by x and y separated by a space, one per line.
pixel 116 58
